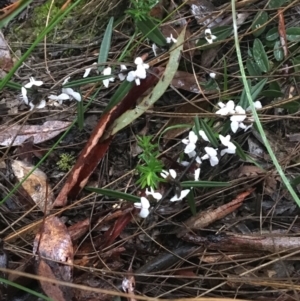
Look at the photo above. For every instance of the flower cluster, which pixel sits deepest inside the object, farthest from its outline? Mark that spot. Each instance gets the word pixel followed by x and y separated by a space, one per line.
pixel 211 153
pixel 237 114
pixel 67 93
pixel 31 85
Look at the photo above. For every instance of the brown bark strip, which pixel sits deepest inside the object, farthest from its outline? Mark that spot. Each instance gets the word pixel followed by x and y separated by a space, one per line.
pixel 282 32
pixel 95 149
pixel 204 219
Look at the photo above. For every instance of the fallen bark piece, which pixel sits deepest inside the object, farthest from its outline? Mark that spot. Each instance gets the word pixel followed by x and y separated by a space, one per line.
pixel 17 134
pixel 6 61
pixel 36 185
pixel 203 219
pixel 54 248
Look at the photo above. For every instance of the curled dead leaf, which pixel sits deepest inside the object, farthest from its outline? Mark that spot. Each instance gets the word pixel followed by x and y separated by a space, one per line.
pixel 36 185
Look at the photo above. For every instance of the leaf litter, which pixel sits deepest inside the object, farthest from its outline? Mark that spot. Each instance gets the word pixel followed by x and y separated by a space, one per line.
pixel 106 234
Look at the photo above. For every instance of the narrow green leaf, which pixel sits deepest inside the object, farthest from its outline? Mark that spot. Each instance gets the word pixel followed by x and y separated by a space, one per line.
pixel 272 34
pixel 80 114
pixel 271 93
pixel 114 194
pixel 122 90
pixel 150 30
pixel 209 133
pixel 87 80
pixel 210 184
pixel 293 34
pixel 260 56
pixel 222 32
pixel 278 52
pixel 276 3
pixel 239 151
pixel 164 82
pixel 252 68
pixel 260 19
pixel 105 44
pixel 191 202
pixel 296 63
pixel 295 181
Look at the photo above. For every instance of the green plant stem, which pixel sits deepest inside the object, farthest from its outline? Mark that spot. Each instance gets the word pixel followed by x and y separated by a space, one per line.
pixel 255 115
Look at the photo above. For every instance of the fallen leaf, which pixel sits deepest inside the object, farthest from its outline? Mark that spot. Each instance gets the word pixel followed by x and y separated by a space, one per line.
pixel 54 248
pixel 6 61
pixel 36 185
pixel 17 134
pixel 187 81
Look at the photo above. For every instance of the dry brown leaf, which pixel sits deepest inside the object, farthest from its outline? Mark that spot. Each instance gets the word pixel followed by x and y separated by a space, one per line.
pixel 17 134
pixel 6 61
pixel 36 184
pixel 55 258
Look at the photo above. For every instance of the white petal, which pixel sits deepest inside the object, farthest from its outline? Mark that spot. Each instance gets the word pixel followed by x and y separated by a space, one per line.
pixel 66 80
pixel 33 82
pixel 138 61
pixel 154 48
pixel 87 72
pixel 212 75
pixel 248 127
pixel 227 151
pixel 239 110
pixel 183 194
pixel 184 163
pixel 221 104
pixel 210 151
pixel 144 212
pixel 198 160
pixel 193 137
pixel 121 76
pixel 31 106
pixel 185 141
pixel 213 161
pixel 145 203
pixel 173 173
pixel 155 195
pixel 173 39
pixel 164 174
pixel 191 154
pixel 213 37
pixel 42 104
pixel 24 95
pixel 137 81
pixel 230 107
pixel 131 76
pixel 72 93
pixel 257 105
pixel 209 40
pixel 203 135
pixel 238 118
pixel 106 83
pixel 234 126
pixel 197 174
pixel 222 112
pixel 168 40
pixel 107 71
pixel 146 66
pixel 140 72
pixel 224 140
pixel 190 148
pixel 205 157
pixel 207 31
pixel 123 67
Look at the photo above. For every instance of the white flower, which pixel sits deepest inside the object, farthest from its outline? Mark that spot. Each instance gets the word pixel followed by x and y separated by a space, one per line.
pixel 209 36
pixel 257 105
pixel 154 48
pixel 107 71
pixel 144 205
pixel 155 195
pixel 203 135
pixel 171 173
pixel 226 142
pixel 60 98
pixel 197 174
pixel 139 73
pixel 24 95
pixel 237 119
pixel 227 109
pixel 88 70
pixel 33 82
pixel 171 39
pixel 70 92
pixel 212 75
pixel 121 74
pixel 211 154
pixel 190 142
pixel 183 194
pixel 41 105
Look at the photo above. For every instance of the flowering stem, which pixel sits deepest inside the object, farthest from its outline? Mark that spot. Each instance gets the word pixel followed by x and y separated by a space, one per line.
pixel 255 115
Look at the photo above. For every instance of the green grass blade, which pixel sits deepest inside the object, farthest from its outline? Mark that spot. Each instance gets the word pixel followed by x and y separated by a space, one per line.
pixel 255 115
pixel 114 194
pixel 210 184
pixel 105 44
